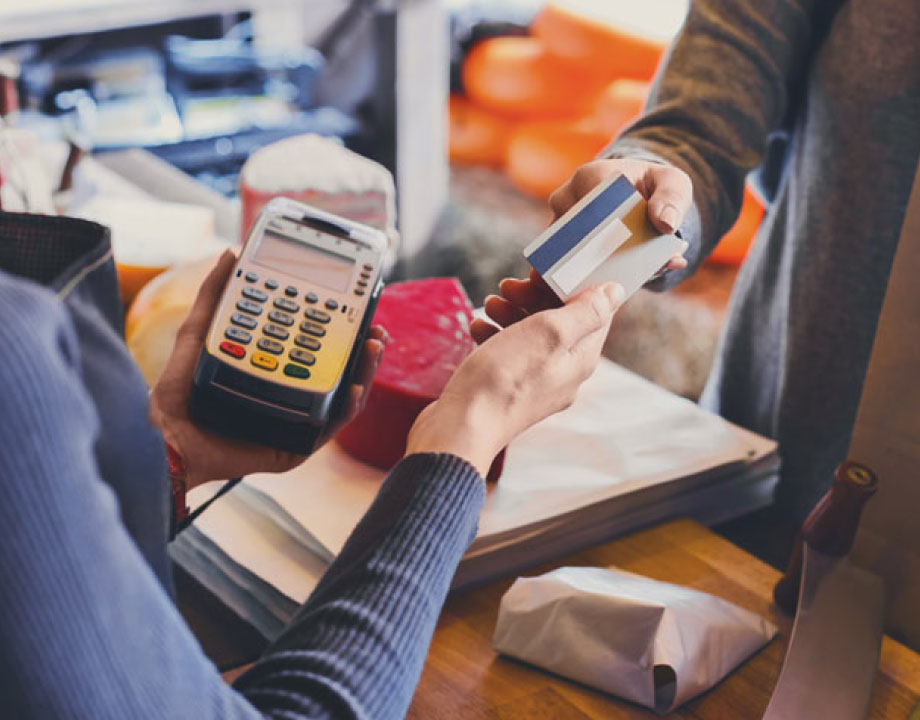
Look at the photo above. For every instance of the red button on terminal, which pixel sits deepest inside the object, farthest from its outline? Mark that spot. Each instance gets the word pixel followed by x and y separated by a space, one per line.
pixel 233 349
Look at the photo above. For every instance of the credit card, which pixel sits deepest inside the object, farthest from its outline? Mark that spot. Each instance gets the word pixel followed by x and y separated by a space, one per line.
pixel 604 237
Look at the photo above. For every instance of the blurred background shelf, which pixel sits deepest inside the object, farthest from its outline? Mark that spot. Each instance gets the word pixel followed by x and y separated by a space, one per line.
pixel 54 18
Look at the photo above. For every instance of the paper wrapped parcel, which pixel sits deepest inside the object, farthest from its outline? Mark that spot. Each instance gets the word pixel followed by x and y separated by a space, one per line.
pixel 650 642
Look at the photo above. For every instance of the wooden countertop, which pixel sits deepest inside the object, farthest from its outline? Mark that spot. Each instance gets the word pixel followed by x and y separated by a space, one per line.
pixel 464 679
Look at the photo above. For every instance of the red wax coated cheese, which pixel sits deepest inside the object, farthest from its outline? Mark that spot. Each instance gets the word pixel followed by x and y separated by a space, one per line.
pixel 429 325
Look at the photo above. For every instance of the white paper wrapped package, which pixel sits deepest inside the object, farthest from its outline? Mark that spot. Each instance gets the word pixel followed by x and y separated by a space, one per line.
pixel 650 642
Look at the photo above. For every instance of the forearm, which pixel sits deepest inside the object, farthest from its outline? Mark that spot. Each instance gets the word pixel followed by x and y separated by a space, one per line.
pixel 357 647
pixel 722 90
pixel 78 594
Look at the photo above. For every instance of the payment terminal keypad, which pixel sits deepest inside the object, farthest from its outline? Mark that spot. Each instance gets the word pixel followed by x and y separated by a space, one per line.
pixel 274 334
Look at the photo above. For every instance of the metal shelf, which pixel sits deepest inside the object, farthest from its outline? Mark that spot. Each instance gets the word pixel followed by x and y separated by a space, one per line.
pixel 34 19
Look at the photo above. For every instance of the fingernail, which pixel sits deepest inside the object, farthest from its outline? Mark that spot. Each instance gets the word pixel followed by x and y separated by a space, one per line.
pixel 669 217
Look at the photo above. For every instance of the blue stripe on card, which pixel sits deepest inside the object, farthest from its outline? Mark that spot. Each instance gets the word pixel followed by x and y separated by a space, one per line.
pixel 576 229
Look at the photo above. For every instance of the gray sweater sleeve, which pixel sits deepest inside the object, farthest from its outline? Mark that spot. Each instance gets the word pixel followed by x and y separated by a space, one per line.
pixel 722 89
pixel 89 632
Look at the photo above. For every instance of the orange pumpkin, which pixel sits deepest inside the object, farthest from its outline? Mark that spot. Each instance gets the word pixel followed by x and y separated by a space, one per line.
pixel 621 102
pixel 477 137
pixel 734 245
pixel 611 39
pixel 543 155
pixel 517 77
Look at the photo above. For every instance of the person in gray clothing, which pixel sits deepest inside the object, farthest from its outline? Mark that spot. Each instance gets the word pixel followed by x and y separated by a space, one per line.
pixel 844 78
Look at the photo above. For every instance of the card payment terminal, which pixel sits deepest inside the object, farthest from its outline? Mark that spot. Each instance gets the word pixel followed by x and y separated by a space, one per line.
pixel 289 329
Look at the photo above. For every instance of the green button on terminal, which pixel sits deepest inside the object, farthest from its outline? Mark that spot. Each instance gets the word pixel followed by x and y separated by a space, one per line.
pixel 296 371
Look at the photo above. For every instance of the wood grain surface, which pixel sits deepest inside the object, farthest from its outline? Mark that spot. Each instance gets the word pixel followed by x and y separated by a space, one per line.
pixel 464 679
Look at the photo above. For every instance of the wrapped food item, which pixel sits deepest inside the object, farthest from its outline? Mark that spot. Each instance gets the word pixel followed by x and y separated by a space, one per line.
pixel 149 236
pixel 610 39
pixel 654 643
pixel 429 325
pixel 320 172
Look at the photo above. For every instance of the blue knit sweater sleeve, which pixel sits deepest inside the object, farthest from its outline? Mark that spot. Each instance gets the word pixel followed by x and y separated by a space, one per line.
pixel 89 632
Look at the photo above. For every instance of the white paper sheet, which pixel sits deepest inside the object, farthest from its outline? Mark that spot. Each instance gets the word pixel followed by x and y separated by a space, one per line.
pixel 622 434
pixel 625 454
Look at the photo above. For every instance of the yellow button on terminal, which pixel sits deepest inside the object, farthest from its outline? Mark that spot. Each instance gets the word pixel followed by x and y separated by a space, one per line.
pixel 264 361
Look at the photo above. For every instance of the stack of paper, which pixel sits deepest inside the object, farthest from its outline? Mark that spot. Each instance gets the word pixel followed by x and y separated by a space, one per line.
pixel 626 454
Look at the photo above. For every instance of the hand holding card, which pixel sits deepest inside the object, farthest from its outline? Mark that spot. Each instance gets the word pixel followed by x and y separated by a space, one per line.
pixel 606 236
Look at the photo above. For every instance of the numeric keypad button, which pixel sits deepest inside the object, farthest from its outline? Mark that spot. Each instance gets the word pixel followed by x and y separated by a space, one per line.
pixel 305 341
pixel 254 293
pixel 320 316
pixel 272 346
pixel 311 328
pixel 248 306
pixel 286 305
pixel 302 356
pixel 240 336
pixel 243 321
pixel 275 331
pixel 281 318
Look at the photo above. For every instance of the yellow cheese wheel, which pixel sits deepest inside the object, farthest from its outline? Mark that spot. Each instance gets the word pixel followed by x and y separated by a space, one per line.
pixel 157 312
pixel 613 38
pixel 477 136
pixel 543 155
pixel 619 104
pixel 517 77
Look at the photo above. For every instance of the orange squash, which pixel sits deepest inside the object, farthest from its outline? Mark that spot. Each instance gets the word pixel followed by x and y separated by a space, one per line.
pixel 610 38
pixel 621 102
pixel 517 77
pixel 477 137
pixel 543 155
pixel 734 245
